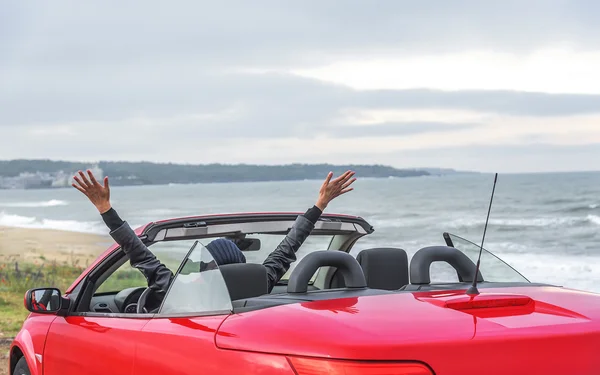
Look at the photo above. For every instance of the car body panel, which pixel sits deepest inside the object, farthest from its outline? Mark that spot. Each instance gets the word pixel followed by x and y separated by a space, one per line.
pixel 33 337
pixel 546 330
pixel 106 345
pixel 182 345
pixel 408 326
pixel 31 340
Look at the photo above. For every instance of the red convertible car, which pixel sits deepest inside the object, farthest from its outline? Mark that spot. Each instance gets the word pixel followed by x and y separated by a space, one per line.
pixel 333 313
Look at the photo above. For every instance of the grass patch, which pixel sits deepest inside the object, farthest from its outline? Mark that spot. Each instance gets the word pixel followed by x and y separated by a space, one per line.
pixel 123 278
pixel 12 312
pixel 16 278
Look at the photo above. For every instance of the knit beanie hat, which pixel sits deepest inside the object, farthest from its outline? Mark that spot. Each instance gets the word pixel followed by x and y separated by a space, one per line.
pixel 225 251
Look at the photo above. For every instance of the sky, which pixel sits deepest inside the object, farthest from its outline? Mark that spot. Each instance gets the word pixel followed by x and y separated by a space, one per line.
pixel 494 86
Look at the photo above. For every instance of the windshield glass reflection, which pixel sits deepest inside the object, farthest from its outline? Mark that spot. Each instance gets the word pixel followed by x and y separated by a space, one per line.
pixel 492 268
pixel 198 286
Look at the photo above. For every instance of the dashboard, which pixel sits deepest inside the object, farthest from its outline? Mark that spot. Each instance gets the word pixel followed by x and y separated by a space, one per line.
pixel 124 302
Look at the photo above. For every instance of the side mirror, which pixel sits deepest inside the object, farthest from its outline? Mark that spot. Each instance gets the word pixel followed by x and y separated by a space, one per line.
pixel 43 300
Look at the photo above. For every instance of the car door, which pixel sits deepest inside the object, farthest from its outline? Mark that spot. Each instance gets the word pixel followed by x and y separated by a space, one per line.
pixel 92 345
pixel 102 336
pixel 180 339
pixel 96 336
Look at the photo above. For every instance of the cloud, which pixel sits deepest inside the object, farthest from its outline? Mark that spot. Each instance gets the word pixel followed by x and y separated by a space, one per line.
pixel 216 31
pixel 517 158
pixel 279 118
pixel 273 81
pixel 559 70
pixel 225 137
pixel 393 129
pixel 265 99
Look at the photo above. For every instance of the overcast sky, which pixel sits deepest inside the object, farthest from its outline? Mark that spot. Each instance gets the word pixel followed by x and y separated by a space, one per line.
pixel 507 86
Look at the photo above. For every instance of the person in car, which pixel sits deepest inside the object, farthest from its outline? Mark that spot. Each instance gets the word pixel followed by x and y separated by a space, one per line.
pixel 223 251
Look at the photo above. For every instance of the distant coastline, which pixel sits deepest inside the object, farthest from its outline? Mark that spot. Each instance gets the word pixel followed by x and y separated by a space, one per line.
pixel 43 174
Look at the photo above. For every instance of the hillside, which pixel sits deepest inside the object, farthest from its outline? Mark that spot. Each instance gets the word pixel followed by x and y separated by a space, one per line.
pixel 56 173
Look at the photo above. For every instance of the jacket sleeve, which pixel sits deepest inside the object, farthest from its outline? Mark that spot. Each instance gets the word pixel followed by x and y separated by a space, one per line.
pixel 278 262
pixel 157 274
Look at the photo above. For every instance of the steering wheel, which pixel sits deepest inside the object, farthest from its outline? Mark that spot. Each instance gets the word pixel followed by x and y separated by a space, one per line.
pixel 141 304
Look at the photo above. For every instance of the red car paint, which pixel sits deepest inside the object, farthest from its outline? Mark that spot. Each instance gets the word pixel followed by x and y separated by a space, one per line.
pixel 558 333
pixel 521 330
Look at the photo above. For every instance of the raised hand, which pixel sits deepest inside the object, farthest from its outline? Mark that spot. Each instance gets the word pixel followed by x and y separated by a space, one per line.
pixel 333 189
pixel 98 194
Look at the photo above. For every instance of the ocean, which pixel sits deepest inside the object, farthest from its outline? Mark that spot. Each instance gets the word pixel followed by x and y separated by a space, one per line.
pixel 547 226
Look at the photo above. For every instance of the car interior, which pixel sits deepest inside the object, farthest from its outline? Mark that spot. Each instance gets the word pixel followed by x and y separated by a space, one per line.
pixel 318 274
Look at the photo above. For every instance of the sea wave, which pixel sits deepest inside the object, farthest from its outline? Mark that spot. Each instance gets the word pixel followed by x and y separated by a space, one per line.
pixel 50 203
pixel 558 269
pixel 406 221
pixel 160 212
pixel 503 247
pixel 18 221
pixel 527 222
pixel 593 219
pixel 579 209
pixel 557 201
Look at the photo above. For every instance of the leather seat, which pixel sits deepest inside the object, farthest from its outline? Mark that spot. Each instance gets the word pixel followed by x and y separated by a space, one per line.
pixel 245 280
pixel 384 268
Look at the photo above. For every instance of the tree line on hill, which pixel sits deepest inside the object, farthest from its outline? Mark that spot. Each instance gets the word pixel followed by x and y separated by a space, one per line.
pixel 148 173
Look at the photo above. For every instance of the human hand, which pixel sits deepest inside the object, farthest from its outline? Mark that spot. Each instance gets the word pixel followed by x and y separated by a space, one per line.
pixel 97 194
pixel 333 189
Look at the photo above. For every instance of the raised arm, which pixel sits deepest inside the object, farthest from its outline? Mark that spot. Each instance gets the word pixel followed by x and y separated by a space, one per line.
pixel 157 274
pixel 278 262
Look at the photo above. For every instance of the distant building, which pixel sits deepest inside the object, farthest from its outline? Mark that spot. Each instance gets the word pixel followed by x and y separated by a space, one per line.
pixel 97 171
pixel 27 181
pixel 40 180
pixel 35 181
pixel 61 179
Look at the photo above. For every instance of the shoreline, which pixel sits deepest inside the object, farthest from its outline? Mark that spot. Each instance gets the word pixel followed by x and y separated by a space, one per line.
pixel 29 245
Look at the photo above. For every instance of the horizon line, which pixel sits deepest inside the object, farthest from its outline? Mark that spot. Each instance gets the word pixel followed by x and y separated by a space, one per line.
pixel 458 171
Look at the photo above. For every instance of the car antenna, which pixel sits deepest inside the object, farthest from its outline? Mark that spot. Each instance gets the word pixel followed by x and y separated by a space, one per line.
pixel 473 291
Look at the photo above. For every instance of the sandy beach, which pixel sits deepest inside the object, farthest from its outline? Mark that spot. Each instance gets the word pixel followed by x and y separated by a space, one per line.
pixel 35 245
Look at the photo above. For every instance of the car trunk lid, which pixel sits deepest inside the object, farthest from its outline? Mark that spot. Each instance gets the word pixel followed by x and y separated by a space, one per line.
pixel 507 331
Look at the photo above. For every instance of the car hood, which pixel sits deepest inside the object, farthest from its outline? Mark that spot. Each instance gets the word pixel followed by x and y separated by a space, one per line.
pixel 436 328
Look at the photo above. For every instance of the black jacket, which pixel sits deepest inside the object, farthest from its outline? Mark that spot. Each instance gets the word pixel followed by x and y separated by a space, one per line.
pixel 159 277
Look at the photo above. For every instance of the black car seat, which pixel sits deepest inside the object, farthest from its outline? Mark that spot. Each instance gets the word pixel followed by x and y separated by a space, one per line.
pixel 245 280
pixel 384 268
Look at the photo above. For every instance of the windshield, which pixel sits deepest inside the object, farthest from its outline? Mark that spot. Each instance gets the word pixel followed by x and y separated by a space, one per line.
pixel 198 286
pixel 269 243
pixel 492 268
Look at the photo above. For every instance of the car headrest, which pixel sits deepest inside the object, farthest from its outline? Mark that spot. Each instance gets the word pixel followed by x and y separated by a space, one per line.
pixel 384 268
pixel 344 262
pixel 245 280
pixel 422 260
